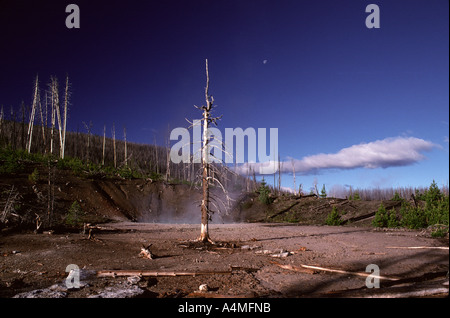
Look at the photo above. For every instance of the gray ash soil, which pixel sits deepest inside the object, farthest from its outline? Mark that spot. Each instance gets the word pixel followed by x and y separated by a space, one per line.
pixel 243 258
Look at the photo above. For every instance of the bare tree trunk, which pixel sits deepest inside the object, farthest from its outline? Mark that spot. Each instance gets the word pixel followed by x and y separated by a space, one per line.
pixel 14 131
pixel 66 103
pixel 46 121
pixel 43 125
pixel 156 156
pixel 33 112
pixel 114 145
pixel 52 130
pixel 1 123
pixel 279 175
pixel 168 155
pixel 125 139
pixel 204 233
pixel 247 182
pixel 23 125
pixel 293 171
pixel 104 141
pixel 56 105
pixel 50 192
pixel 315 187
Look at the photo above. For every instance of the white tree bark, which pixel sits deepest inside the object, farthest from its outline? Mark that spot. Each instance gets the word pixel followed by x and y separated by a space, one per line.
pixel 33 112
pixel 113 130
pixel 66 104
pixel 104 142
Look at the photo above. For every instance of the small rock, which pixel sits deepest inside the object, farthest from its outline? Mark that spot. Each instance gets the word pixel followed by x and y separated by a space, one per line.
pixel 203 288
pixel 281 255
pixel 133 280
pixel 248 247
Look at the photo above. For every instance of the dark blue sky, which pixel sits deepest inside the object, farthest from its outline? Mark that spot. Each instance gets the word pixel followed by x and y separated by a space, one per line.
pixel 328 82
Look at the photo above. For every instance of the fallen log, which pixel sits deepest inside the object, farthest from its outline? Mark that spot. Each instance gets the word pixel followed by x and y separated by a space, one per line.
pixel 410 294
pixel 284 210
pixel 121 273
pixel 296 268
pixel 420 247
pixel 314 269
pixel 347 272
pixel 144 273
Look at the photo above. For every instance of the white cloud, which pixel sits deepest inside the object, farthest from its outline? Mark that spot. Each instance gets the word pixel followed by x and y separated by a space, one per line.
pixel 389 152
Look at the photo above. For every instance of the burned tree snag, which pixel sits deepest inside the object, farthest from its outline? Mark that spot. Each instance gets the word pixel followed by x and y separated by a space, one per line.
pixel 66 104
pixel 33 112
pixel 204 233
pixel 209 172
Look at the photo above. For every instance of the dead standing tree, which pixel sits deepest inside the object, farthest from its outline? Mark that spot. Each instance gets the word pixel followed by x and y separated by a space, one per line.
pixel 36 99
pixel 207 177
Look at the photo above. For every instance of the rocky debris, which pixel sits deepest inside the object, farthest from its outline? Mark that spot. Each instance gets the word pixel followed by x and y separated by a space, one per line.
pixel 250 247
pixel 278 253
pixel 127 289
pixel 203 288
pixel 54 291
pixel 121 290
pixel 133 280
pixel 146 253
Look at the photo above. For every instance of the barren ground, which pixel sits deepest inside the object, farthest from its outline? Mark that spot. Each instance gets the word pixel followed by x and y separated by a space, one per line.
pixel 31 261
pixel 241 264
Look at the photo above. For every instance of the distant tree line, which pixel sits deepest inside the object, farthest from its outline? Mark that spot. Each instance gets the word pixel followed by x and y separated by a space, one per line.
pixel 40 128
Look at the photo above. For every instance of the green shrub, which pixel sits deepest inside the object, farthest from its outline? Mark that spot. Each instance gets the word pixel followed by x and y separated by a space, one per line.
pixel 438 212
pixel 156 176
pixel 264 193
pixel 385 218
pixel 334 218
pixel 74 216
pixel 323 192
pixel 354 197
pixel 128 173
pixel 412 217
pixel 440 232
pixel 34 176
pixel 396 197
pixel 74 164
pixel 435 211
pixel 392 219
pixel 10 161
